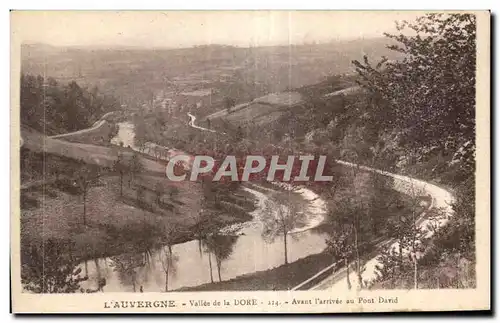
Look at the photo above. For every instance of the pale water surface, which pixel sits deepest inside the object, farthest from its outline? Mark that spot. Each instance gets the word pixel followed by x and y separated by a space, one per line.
pixel 250 252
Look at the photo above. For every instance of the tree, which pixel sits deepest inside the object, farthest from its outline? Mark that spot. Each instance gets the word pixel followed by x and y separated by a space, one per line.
pixel 279 218
pixel 126 266
pixel 159 192
pixel 222 247
pixel 210 192
pixel 158 152
pixel 205 227
pixel 121 167
pixel 50 267
pixel 135 166
pixel 239 134
pixel 426 102
pixel 139 194
pixel 85 177
pixel 416 233
pixel 228 103
pixel 168 260
pixel 355 226
pixel 341 247
pixel 52 107
pixel 399 259
pixel 430 93
pixel 348 228
pixel 407 237
pixel 173 193
pixel 167 257
pixel 141 132
pixel 462 228
pixel 210 266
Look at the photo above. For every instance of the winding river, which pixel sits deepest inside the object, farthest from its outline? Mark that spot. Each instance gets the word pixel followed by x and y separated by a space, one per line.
pixel 249 251
pixel 442 201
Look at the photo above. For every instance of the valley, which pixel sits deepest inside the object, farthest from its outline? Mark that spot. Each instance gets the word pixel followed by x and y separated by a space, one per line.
pixel 95 195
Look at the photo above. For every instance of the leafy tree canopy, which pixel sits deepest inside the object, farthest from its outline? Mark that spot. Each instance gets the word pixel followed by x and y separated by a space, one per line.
pixel 429 95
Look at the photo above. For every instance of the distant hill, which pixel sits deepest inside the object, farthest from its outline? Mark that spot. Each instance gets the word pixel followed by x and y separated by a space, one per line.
pixel 136 74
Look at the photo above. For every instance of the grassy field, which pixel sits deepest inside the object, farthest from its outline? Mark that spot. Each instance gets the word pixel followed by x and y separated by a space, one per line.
pixel 297 111
pixel 103 156
pixel 117 224
pixel 52 207
pixel 253 112
pixel 260 108
pixel 100 134
pixel 282 98
pixel 114 223
pixel 280 278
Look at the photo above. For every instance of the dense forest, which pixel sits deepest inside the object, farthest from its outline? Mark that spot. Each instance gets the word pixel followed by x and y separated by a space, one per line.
pixel 428 101
pixel 53 108
pixel 418 117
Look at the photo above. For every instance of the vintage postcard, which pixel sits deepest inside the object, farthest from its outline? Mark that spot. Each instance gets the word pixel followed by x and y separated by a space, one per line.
pixel 250 161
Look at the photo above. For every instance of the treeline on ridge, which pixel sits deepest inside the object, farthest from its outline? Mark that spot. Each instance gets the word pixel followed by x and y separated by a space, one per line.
pixel 53 108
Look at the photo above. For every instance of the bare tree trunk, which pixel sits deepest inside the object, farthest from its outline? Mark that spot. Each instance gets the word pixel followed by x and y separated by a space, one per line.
pixel 415 276
pixel 415 264
pixel 200 245
pixel 97 269
pixel 218 270
pixel 84 207
pixel 466 274
pixel 121 185
pixel 414 245
pixel 169 261
pixel 347 270
pixel 210 265
pixel 286 248
pixel 86 269
pixel 400 255
pixel 358 261
pixel 166 279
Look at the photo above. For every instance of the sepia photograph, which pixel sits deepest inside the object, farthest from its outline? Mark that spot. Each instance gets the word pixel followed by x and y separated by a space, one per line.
pixel 250 161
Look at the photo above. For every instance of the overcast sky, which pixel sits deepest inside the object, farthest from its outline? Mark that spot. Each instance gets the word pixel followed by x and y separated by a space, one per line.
pixel 188 28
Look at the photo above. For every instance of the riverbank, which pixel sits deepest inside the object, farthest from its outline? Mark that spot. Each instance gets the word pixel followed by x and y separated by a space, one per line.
pixel 286 277
pixel 129 225
pixel 115 224
pixel 283 277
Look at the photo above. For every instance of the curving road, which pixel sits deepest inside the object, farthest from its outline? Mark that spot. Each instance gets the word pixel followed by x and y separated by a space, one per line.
pixel 269 255
pixel 250 253
pixel 95 126
pixel 441 199
pixel 192 119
